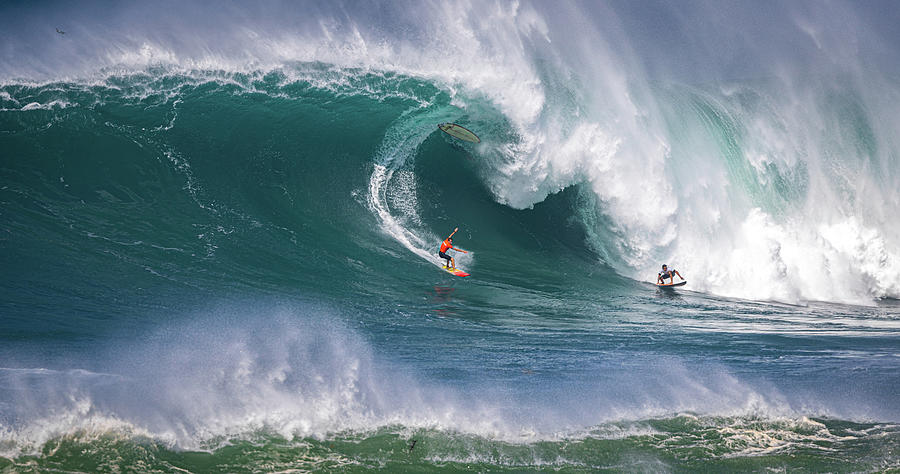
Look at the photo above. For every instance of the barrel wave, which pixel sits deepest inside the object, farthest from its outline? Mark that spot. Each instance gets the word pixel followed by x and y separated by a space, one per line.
pixel 220 243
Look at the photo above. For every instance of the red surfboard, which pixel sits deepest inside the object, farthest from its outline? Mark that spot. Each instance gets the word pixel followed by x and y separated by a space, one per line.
pixel 455 271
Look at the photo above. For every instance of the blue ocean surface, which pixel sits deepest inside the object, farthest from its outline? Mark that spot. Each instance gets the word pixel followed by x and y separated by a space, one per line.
pixel 219 227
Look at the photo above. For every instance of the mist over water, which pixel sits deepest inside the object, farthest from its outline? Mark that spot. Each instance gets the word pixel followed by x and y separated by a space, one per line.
pixel 219 223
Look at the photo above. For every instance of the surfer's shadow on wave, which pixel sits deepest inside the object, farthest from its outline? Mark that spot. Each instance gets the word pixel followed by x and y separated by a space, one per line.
pixel 668 294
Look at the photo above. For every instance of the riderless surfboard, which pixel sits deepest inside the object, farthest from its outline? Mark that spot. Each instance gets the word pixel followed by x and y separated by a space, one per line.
pixel 460 132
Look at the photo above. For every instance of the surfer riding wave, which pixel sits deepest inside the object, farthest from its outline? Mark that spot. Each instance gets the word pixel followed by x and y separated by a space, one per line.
pixel 667 273
pixel 446 245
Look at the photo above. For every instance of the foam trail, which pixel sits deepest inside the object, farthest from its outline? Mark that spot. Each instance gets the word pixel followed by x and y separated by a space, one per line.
pixel 389 224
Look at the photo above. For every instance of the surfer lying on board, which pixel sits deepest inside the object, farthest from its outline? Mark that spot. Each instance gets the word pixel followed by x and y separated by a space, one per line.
pixel 446 245
pixel 666 273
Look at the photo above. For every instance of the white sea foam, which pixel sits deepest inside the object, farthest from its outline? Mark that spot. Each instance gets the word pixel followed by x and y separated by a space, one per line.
pixel 54 104
pixel 301 372
pixel 296 378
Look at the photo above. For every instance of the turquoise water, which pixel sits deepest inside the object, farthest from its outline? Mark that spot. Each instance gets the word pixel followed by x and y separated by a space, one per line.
pixel 221 270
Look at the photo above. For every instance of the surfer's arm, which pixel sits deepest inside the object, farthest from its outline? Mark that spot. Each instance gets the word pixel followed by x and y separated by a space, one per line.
pixel 454 231
pixel 679 274
pixel 458 250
